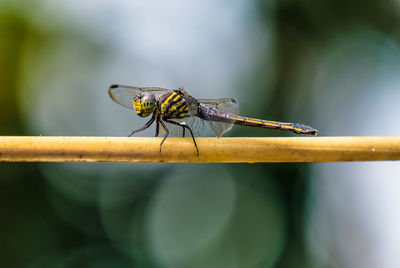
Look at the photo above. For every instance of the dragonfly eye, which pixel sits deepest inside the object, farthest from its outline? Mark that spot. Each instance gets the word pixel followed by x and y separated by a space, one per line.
pixel 144 104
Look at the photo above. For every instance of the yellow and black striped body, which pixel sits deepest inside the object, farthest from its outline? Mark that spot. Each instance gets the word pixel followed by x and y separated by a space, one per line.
pixel 173 105
pixel 212 114
pixel 294 127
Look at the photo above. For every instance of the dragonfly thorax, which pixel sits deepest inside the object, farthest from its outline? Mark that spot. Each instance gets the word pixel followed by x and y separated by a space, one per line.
pixel 144 104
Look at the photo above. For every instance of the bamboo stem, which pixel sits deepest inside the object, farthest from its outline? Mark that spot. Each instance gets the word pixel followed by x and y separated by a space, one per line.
pixel 212 150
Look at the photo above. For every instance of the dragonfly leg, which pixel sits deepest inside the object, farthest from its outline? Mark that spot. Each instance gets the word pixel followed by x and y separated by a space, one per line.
pixel 166 131
pixel 143 128
pixel 184 126
pixel 183 130
pixel 157 126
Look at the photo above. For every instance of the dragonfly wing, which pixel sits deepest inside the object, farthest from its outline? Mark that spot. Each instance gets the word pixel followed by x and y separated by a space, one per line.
pixel 124 95
pixel 196 124
pixel 227 105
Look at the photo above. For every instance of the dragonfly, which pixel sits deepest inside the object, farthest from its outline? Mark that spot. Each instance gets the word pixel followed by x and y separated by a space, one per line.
pixel 174 108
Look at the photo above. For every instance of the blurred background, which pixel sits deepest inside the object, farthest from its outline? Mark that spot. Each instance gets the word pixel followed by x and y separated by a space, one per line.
pixel 332 64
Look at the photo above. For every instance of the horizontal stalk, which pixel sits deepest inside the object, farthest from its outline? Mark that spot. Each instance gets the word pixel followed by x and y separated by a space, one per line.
pixel 211 150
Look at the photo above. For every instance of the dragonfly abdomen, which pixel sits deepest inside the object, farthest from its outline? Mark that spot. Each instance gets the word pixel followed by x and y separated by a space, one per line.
pixel 209 113
pixel 253 122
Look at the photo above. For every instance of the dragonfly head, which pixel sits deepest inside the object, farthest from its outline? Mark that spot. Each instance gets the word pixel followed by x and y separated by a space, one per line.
pixel 144 104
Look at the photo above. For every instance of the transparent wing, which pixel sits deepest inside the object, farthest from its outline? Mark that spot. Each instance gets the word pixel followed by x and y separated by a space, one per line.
pixel 124 95
pixel 195 123
pixel 227 105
